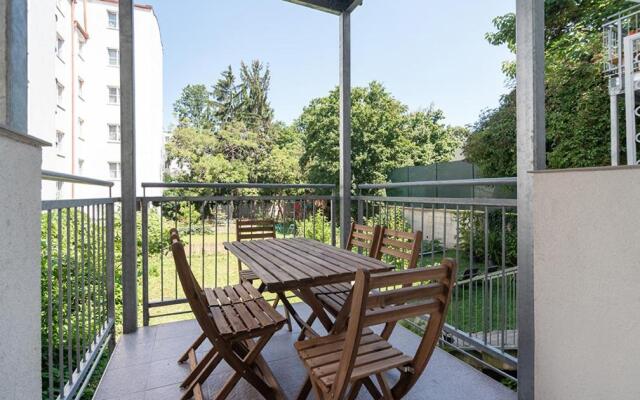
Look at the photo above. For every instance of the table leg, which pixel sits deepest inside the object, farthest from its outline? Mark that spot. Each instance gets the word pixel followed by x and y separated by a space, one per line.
pixel 308 297
pixel 294 314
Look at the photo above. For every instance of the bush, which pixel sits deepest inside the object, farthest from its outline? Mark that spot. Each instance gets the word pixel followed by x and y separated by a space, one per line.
pixel 475 222
pixel 316 226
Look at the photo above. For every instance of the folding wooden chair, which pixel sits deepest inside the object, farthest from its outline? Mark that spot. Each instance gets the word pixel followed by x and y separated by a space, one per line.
pixel 400 246
pixel 252 229
pixel 340 363
pixel 238 322
pixel 365 239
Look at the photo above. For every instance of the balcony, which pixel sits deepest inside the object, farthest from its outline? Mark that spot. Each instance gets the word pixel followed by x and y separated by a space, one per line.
pixel 81 289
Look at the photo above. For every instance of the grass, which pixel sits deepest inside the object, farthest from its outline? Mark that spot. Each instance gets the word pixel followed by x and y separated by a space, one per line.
pixel 211 263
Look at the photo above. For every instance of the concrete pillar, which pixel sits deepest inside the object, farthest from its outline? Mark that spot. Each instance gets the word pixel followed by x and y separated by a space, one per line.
pixel 531 156
pixel 20 167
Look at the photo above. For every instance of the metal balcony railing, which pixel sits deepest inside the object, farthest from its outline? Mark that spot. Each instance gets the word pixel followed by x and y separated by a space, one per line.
pixel 79 241
pixel 481 235
pixel 618 26
pixel 78 299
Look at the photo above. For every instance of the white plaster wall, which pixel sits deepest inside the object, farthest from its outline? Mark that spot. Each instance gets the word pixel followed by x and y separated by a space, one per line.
pixel 422 219
pixel 20 165
pixel 587 284
pixel 92 144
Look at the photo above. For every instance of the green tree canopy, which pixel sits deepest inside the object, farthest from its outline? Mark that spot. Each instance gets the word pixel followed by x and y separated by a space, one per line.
pixel 577 99
pixel 384 136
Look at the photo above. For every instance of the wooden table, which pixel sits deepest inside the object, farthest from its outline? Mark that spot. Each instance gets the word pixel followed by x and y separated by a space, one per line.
pixel 297 265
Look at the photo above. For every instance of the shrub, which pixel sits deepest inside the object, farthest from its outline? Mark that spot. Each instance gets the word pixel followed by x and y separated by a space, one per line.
pixel 316 226
pixel 475 222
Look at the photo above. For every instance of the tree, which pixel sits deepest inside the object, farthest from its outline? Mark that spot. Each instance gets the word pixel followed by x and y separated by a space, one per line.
pixel 577 99
pixel 194 108
pixel 226 97
pixel 255 107
pixel 384 136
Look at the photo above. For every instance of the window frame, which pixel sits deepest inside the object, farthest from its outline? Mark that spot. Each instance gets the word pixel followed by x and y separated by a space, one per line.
pixel 117 132
pixel 117 96
pixel 118 170
pixel 59 145
pixel 116 23
pixel 117 57
pixel 60 46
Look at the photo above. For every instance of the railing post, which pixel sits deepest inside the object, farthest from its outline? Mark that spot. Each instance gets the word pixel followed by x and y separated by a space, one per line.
pixel 145 261
pixel 110 273
pixel 333 216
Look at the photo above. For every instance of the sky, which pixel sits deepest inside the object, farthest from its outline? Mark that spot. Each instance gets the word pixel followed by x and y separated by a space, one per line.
pixel 425 52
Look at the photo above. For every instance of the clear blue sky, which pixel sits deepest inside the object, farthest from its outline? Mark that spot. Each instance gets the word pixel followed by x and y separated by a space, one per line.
pixel 424 51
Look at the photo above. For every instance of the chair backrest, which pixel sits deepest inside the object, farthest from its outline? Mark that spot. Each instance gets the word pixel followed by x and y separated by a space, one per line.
pixel 400 245
pixel 365 238
pixel 192 290
pixel 249 229
pixel 413 298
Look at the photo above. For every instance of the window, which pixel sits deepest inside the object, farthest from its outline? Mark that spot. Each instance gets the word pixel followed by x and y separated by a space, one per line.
pixel 81 44
pixel 80 128
pixel 59 142
pixel 59 186
pixel 114 57
pixel 114 170
pixel 112 19
pixel 59 46
pixel 80 87
pixel 114 132
pixel 114 95
pixel 60 92
pixel 80 166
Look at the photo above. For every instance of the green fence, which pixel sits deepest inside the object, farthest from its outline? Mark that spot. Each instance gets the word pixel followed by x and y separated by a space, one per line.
pixel 442 172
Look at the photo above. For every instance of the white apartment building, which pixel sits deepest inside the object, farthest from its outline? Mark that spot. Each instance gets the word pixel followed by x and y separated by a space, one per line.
pixel 74 94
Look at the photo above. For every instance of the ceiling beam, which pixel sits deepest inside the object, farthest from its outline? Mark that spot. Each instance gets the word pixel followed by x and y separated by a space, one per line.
pixel 336 7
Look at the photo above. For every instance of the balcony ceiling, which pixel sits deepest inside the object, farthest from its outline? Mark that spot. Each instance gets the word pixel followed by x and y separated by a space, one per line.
pixel 332 6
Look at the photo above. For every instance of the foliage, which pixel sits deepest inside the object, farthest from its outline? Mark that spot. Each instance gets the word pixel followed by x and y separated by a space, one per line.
pixel 238 140
pixel 390 217
pixel 577 99
pixel 472 232
pixel 75 260
pixel 384 136
pixel 316 226
pixel 228 101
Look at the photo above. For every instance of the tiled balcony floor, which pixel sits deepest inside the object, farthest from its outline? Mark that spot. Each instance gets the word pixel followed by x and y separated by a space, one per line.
pixel 144 366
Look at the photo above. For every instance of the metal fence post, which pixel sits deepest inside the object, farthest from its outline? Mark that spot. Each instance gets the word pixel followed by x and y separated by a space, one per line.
pixel 333 217
pixel 145 261
pixel 110 273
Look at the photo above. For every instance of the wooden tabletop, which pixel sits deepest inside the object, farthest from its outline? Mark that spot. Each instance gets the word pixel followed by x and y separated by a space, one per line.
pixel 286 264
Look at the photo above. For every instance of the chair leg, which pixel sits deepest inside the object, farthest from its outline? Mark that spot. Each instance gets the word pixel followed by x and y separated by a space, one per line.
pixel 195 381
pixel 388 330
pixel 304 390
pixel 244 368
pixel 386 391
pixel 302 335
pixel 354 390
pixel 371 387
pixel 203 365
pixel 286 311
pixel 193 346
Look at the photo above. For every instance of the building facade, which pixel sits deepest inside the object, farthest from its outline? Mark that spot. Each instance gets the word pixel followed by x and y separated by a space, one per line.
pixel 74 93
